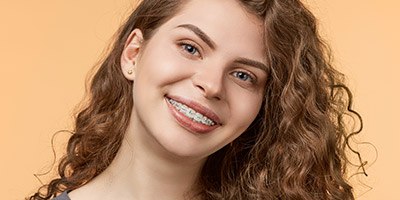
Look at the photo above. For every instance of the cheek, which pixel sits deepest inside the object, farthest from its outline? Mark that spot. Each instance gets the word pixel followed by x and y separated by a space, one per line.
pixel 245 108
pixel 164 65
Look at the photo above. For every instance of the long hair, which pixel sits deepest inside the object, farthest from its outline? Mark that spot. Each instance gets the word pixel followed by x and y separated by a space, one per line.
pixel 294 149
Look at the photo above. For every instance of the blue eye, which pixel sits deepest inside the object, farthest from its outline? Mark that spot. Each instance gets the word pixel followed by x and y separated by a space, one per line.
pixel 243 76
pixel 190 49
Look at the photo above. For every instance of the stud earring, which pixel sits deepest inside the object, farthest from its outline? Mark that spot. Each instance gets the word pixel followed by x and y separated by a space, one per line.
pixel 130 71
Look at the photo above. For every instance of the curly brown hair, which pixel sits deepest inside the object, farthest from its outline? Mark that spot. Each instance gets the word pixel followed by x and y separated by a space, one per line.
pixel 294 149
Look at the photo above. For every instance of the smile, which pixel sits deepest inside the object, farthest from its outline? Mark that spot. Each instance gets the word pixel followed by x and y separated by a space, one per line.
pixel 192 116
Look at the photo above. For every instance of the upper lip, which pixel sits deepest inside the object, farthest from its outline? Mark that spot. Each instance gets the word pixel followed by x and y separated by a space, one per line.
pixel 198 108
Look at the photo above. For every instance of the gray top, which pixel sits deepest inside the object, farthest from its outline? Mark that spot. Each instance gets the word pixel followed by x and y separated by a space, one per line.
pixel 62 196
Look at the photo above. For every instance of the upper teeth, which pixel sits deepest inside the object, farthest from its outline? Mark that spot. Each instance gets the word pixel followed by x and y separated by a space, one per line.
pixel 192 114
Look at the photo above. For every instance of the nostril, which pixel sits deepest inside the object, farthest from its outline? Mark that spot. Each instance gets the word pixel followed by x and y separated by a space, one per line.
pixel 209 89
pixel 208 93
pixel 201 88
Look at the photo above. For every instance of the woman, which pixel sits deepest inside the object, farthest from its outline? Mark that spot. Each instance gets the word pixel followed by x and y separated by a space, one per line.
pixel 207 99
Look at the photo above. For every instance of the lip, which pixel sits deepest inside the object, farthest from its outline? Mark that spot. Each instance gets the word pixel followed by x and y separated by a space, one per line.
pixel 189 124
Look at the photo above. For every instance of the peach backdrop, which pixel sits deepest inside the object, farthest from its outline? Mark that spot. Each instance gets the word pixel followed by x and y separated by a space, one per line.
pixel 48 46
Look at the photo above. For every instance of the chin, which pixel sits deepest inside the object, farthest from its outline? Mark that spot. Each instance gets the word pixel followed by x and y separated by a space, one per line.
pixel 186 147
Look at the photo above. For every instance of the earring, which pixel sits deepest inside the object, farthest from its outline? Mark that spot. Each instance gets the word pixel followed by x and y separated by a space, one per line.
pixel 130 71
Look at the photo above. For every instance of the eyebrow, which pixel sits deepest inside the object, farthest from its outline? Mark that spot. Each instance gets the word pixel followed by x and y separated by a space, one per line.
pixel 253 63
pixel 203 36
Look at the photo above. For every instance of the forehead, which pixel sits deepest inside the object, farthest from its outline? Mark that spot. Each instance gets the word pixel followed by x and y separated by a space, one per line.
pixel 227 23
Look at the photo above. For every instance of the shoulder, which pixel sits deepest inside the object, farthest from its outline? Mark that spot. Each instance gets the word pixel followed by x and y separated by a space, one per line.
pixel 62 196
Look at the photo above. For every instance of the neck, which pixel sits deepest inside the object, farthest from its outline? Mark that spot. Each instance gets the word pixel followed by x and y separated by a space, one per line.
pixel 139 171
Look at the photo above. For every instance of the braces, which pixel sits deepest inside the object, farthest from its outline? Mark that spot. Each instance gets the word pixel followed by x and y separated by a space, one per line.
pixel 192 114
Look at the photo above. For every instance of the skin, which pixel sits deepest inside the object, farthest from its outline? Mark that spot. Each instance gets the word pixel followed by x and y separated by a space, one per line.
pixel 159 156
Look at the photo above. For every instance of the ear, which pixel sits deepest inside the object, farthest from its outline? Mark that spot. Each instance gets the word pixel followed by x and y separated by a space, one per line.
pixel 130 54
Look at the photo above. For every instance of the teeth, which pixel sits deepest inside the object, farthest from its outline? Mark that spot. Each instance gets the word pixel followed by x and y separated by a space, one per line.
pixel 192 114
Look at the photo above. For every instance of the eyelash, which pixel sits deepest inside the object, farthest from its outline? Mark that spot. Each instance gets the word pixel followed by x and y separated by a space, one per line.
pixel 185 45
pixel 249 77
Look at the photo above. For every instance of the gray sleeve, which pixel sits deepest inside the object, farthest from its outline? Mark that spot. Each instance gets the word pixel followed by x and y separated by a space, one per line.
pixel 62 196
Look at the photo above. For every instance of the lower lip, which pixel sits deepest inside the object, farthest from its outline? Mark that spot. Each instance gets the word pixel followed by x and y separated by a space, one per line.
pixel 187 123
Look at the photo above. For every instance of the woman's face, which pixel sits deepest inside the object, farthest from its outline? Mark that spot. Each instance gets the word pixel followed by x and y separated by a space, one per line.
pixel 199 81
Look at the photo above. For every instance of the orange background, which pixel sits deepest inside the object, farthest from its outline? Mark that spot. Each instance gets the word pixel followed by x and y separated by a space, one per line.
pixel 48 46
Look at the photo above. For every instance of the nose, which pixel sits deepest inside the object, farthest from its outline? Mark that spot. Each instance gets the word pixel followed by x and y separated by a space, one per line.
pixel 210 83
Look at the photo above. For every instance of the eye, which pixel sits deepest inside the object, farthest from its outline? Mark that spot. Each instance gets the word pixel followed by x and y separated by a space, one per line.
pixel 190 49
pixel 244 76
